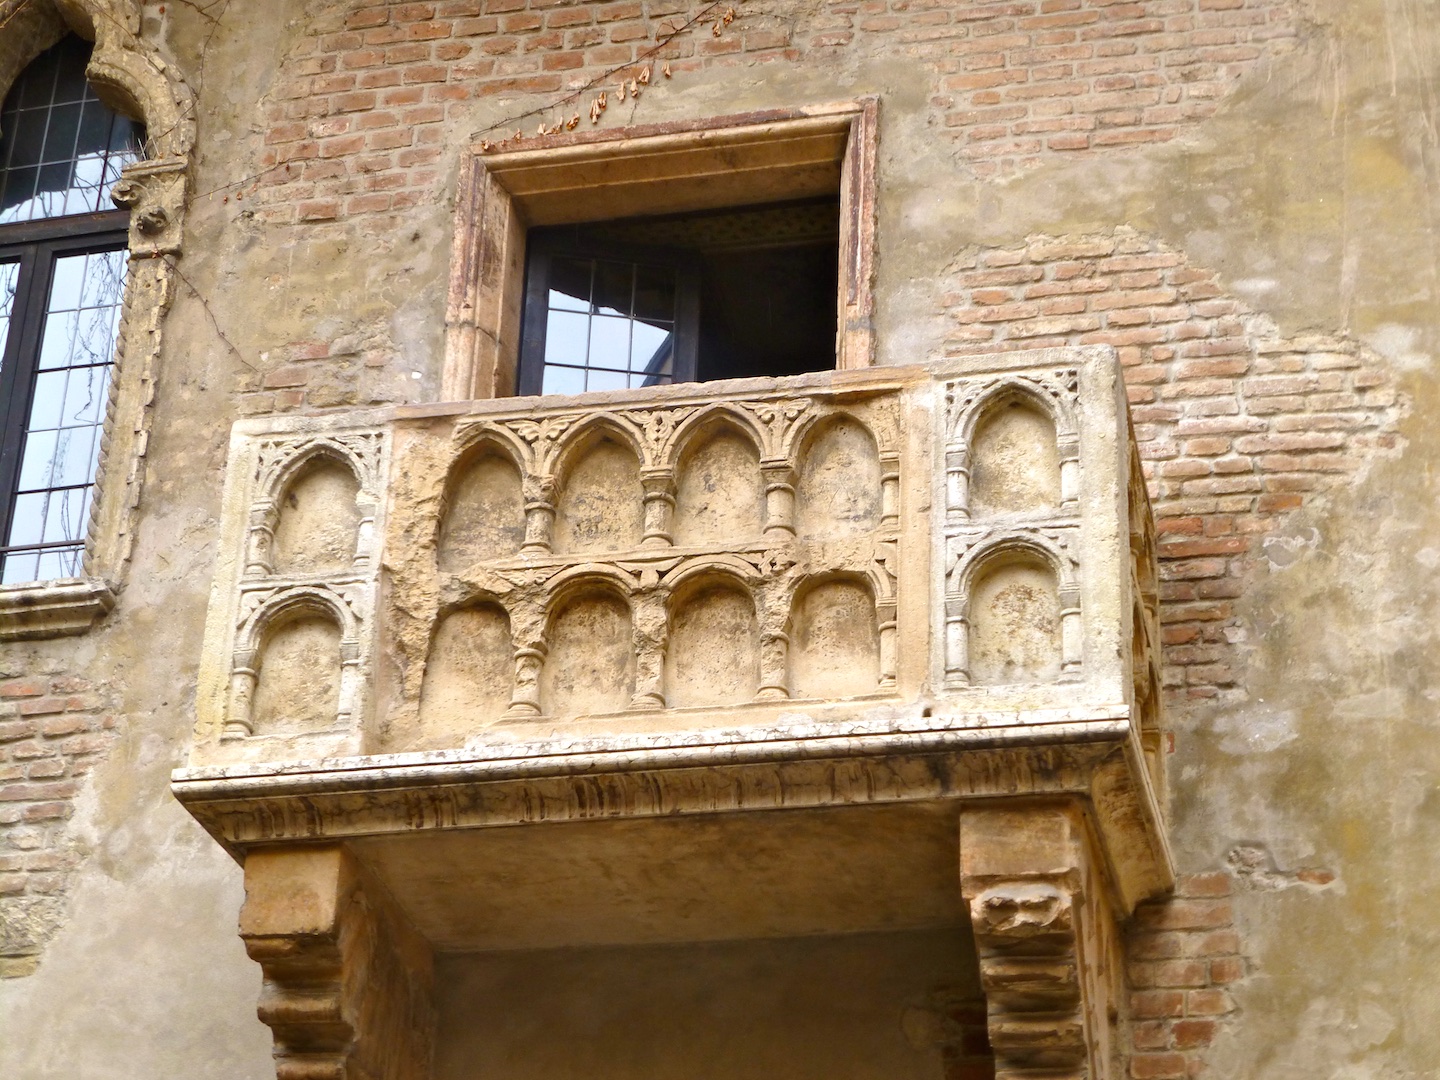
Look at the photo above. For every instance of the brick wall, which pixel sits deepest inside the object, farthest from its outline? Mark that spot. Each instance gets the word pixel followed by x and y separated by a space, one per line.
pixel 54 727
pixel 1184 954
pixel 1238 424
pixel 356 122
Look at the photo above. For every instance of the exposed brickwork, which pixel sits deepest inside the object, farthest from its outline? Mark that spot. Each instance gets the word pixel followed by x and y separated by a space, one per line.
pixel 1238 425
pixel 357 123
pixel 53 729
pixel 1021 81
pixel 1183 956
pixel 357 126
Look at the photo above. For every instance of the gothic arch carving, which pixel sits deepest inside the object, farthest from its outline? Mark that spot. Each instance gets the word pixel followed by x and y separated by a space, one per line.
pixel 695 428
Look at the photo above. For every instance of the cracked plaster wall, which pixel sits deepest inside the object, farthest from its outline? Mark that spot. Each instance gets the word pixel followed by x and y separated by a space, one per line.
pixel 1308 195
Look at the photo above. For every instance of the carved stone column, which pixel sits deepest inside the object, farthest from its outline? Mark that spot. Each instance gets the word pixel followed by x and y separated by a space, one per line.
pixel 1045 936
pixel 890 491
pixel 348 982
pixel 540 495
pixel 259 557
pixel 779 479
pixel 525 698
pixel 659 488
pixel 650 638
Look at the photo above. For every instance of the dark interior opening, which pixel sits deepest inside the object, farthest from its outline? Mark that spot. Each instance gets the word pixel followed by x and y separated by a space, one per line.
pixel 761 284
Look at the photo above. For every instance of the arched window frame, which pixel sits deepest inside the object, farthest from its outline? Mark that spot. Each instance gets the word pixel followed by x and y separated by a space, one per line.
pixel 66 271
pixel 130 72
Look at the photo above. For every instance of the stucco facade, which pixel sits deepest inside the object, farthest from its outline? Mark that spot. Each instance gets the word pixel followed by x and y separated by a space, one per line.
pixel 900 762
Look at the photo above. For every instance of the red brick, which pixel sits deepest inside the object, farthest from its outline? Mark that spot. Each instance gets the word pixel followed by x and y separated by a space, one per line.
pixel 1158 1066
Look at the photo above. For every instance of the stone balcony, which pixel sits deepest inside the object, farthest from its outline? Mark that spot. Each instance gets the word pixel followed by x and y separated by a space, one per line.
pixel 874 600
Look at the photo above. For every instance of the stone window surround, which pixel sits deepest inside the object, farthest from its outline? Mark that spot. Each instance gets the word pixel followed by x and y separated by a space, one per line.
pixel 130 75
pixel 671 167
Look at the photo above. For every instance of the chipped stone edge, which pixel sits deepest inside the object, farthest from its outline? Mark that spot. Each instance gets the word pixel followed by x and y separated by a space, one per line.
pixel 53 608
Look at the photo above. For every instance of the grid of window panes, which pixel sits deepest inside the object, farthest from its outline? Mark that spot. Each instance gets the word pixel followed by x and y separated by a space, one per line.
pixel 609 325
pixel 61 150
pixel 62 439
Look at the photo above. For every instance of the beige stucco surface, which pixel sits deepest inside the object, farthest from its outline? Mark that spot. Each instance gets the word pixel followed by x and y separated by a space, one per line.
pixel 1314 194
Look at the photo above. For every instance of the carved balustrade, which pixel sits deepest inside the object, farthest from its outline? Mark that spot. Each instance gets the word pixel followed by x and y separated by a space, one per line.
pixel 975 540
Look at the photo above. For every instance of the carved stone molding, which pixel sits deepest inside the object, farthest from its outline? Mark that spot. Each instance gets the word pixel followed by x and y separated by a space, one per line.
pixel 52 608
pixel 131 73
pixel 348 983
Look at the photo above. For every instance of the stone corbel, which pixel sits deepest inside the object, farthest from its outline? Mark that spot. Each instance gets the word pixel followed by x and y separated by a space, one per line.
pixel 154 193
pixel 348 989
pixel 1045 940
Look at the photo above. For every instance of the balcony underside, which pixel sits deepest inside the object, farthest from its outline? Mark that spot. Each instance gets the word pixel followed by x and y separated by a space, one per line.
pixel 881 803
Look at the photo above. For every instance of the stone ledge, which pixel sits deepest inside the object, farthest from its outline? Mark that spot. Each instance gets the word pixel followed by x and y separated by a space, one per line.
pixel 45 609
pixel 1094 758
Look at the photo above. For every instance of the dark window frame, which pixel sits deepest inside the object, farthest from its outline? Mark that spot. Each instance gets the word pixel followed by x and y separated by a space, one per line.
pixel 37 245
pixel 545 244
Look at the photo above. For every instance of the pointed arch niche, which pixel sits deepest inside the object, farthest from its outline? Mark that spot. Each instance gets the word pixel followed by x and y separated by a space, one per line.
pixel 130 75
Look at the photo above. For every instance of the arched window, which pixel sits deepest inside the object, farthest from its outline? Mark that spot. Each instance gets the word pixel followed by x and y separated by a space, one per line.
pixel 62 273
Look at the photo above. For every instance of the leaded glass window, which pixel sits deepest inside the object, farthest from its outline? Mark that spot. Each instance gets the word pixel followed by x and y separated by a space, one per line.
pixel 62 274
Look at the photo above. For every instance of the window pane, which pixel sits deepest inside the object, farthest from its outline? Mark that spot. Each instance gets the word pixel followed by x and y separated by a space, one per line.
pixel 21 566
pixel 53 120
pixel 104 279
pixel 566 338
pixel 655 293
pixel 68 396
pixel 37 464
pixel 614 287
pixel 606 380
pixel 49 400
pixel 85 396
pixel 570 284
pixel 609 343
pixel 651 349
pixel 28 523
pixel 66 283
pixel 614 319
pixel 65 515
pixel 563 380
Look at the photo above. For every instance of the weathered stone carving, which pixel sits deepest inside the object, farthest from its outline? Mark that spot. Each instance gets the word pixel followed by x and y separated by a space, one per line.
pixel 1043 932
pixel 303 610
pixel 1011 449
pixel 770 558
pixel 348 984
